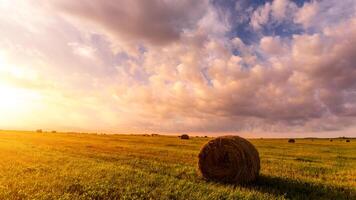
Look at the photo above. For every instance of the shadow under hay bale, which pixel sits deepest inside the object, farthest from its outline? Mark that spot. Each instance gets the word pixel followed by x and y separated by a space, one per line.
pixel 184 137
pixel 291 141
pixel 229 159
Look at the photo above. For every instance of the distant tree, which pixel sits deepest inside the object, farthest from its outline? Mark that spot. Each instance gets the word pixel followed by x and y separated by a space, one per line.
pixel 291 140
pixel 184 137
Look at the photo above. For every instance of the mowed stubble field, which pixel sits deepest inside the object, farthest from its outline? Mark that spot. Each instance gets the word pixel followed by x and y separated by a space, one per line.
pixel 88 166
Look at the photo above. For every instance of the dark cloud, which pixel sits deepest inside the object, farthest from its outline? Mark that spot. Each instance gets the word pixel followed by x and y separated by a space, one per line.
pixel 155 21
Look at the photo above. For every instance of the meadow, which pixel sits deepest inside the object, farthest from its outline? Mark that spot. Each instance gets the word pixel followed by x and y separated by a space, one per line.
pixel 89 166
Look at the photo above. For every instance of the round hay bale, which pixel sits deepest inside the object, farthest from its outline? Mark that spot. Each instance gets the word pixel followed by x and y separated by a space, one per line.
pixel 229 159
pixel 184 137
pixel 331 140
pixel 291 140
pixel 347 140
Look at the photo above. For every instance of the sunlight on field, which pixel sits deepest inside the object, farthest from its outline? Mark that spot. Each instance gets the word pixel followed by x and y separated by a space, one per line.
pixel 89 166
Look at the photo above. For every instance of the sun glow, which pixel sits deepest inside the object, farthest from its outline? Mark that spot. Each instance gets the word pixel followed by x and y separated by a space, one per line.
pixel 15 102
pixel 15 99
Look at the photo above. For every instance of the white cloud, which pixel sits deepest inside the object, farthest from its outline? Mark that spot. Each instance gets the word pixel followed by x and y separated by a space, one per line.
pixel 272 45
pixel 317 15
pixel 274 12
pixel 188 74
pixel 83 50
pixel 306 14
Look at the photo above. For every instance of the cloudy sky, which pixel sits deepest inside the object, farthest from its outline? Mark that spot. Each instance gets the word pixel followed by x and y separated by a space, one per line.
pixel 257 68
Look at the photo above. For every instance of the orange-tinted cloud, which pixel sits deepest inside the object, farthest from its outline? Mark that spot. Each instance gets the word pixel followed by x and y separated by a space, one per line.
pixel 187 71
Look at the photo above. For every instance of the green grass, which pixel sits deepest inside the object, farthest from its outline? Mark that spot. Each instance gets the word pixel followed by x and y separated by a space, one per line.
pixel 84 166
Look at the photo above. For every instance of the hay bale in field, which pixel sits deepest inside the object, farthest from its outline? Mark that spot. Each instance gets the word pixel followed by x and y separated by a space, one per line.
pixel 229 159
pixel 291 141
pixel 184 137
pixel 331 140
pixel 347 140
pixel 39 130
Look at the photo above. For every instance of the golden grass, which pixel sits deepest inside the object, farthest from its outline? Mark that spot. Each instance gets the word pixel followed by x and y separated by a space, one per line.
pixel 84 166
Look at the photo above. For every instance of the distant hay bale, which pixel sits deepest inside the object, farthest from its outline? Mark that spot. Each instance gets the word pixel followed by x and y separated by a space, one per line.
pixel 39 130
pixel 184 137
pixel 291 141
pixel 347 140
pixel 54 131
pixel 229 159
pixel 331 140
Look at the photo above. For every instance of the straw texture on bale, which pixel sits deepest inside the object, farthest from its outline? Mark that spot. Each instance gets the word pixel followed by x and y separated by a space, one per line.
pixel 229 159
pixel 184 137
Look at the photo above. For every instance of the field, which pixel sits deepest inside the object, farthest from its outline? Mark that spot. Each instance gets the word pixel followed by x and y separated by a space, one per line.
pixel 89 166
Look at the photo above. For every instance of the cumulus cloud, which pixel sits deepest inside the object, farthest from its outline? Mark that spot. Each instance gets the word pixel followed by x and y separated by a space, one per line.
pixel 272 45
pixel 311 15
pixel 191 71
pixel 133 21
pixel 318 14
pixel 274 12
pixel 298 82
pixel 307 14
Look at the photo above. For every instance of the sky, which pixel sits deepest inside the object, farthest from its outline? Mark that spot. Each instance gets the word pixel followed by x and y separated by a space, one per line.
pixel 258 68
